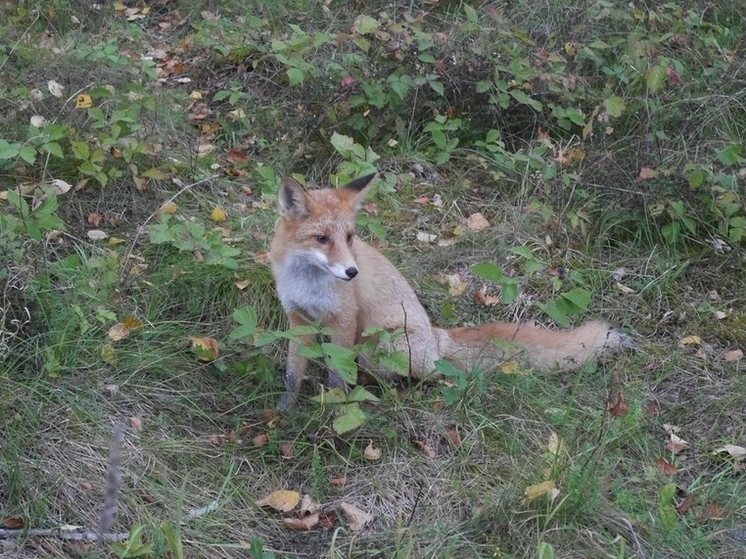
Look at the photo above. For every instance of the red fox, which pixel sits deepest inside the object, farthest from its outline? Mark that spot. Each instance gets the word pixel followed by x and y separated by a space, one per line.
pixel 324 274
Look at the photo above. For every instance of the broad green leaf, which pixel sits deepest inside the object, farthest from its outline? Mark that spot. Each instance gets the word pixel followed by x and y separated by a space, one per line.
pixel 295 76
pixel 484 86
pixel 509 290
pixel 730 155
pixel 351 417
pixel 343 144
pixel 365 25
pixel 245 316
pixel 342 361
pixel 28 154
pixel 555 313
pixel 696 178
pixel 614 105
pixel 7 150
pixel 360 394
pixel 524 99
pixel 437 87
pixel 471 14
pixel 54 148
pixel 489 271
pixel 579 298
pixel 654 78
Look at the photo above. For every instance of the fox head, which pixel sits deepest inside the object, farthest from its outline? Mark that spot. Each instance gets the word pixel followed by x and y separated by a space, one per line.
pixel 317 227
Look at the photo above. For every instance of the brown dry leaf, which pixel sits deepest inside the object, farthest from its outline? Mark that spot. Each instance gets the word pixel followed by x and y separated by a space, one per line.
pixel 135 423
pixel 684 506
pixel 482 297
pixel 13 522
pixel 282 500
pixel 118 332
pixel 145 496
pixel 236 156
pixel 421 201
pixel 455 286
pixel 690 340
pixel 426 449
pixel 205 348
pixel 454 436
pixel 713 511
pixel 260 440
pixel 243 284
pixel 512 367
pixel 477 222
pixel 665 467
pixel 218 215
pixel 308 505
pixel 676 444
pixel 733 355
pixel 94 219
pixel 533 492
pixel 355 517
pixel 131 322
pixel 338 481
pixel 618 407
pixel 300 524
pixel 329 519
pixel 86 485
pixel 286 450
pixel 270 417
pixel 372 453
pixel 648 173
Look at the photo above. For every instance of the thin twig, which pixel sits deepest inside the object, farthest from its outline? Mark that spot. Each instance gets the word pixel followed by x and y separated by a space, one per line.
pixel 59 533
pixel 638 545
pixel 113 483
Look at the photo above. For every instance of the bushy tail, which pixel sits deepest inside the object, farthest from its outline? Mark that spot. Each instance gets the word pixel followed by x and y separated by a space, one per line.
pixel 489 345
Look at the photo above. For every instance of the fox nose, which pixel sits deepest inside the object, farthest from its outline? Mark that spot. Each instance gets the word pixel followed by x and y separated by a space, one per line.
pixel 351 272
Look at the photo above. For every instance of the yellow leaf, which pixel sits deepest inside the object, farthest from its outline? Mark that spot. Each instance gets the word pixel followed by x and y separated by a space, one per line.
pixel 205 348
pixel 118 332
pixel 533 492
pixel 371 453
pixel 169 208
pixel 556 445
pixel 196 95
pixel 119 6
pixel 356 518
pixel 282 500
pixel 243 284
pixel 511 368
pixel 107 354
pixel 131 322
pixel 83 101
pixel 691 340
pixel 218 215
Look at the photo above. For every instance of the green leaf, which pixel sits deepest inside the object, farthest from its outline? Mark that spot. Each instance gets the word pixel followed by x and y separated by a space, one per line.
pixel 245 316
pixel 28 154
pixel 730 155
pixel 342 361
pixel 489 271
pixel 484 86
pixel 654 78
pixel 614 105
pixel 54 148
pixel 360 394
pixel 295 76
pixel 696 178
pixel 80 150
pixel 8 150
pixel 343 144
pixel 521 96
pixel 155 173
pixel 437 87
pixel 365 25
pixel 471 14
pixel 578 299
pixel 351 417
pixel 509 290
pixel 555 313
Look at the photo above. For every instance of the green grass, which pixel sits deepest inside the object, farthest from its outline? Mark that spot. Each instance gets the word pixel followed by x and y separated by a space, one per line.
pixel 660 256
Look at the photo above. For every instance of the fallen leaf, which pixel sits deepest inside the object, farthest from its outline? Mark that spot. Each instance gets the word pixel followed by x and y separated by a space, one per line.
pixel 618 407
pixel 96 235
pixel 329 519
pixel 131 322
pixel 733 355
pixel 83 101
pixel 135 423
pixel 205 348
pixel 282 500
pixel 236 156
pixel 426 449
pixel 648 173
pixel 477 222
pixel 512 367
pixel 260 440
pixel 372 453
pixel 421 201
pixel 482 297
pixel 556 446
pixel 533 492
pixel 108 354
pixel 94 219
pixel 118 332
pixel 61 186
pixel 338 481
pixel 286 450
pixel 665 467
pixel 13 522
pixel 308 505
pixel 86 485
pixel 455 286
pixel 270 417
pixel 55 88
pixel 690 340
pixel 684 506
pixel 426 237
pixel 218 215
pixel 169 208
pixel 145 496
pixel 737 452
pixel 305 522
pixel 712 511
pixel 454 437
pixel 355 517
pixel 243 284
pixel 676 444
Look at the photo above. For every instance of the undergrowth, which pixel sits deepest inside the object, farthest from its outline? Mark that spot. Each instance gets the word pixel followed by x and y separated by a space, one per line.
pixel 141 150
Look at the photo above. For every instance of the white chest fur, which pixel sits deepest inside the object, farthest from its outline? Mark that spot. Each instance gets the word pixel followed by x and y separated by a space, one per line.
pixel 305 287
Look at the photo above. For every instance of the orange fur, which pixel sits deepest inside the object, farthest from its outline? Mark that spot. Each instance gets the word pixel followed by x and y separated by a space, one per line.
pixel 324 274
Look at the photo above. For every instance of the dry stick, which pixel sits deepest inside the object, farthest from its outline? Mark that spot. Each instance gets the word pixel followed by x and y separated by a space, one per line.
pixel 59 533
pixel 113 483
pixel 638 545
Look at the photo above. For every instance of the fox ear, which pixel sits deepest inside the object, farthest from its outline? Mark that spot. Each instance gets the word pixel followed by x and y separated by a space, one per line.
pixel 291 199
pixel 357 189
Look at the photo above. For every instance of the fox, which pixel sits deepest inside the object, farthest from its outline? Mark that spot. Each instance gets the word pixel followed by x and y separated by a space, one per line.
pixel 326 275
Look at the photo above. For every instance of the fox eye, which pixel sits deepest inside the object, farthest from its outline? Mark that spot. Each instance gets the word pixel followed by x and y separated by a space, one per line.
pixel 322 239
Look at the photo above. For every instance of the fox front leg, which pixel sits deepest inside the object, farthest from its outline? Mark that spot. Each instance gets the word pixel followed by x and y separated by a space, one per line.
pixel 343 334
pixel 295 369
